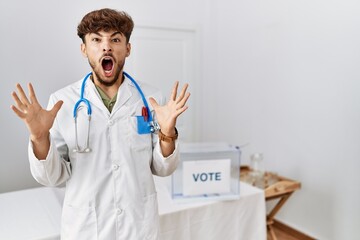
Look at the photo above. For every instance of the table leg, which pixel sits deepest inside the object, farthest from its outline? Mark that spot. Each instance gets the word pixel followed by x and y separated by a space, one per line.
pixel 277 207
pixel 271 215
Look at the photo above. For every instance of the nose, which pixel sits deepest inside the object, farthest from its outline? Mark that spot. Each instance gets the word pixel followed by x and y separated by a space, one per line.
pixel 107 46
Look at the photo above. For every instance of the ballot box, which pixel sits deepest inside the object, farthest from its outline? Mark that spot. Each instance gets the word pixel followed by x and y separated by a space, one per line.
pixel 207 171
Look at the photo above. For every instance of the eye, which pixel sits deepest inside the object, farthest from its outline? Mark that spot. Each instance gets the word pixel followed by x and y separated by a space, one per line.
pixel 116 40
pixel 95 39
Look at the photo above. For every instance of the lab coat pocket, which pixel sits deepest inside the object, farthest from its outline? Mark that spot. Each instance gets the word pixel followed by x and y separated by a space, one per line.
pixel 78 223
pixel 138 141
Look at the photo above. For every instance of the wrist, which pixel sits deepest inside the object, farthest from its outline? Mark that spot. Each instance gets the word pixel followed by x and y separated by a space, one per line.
pixel 168 132
pixel 40 138
pixel 168 137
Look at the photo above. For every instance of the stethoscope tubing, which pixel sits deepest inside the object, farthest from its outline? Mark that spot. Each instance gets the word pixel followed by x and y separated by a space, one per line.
pixel 82 99
pixel 153 126
pixel 88 105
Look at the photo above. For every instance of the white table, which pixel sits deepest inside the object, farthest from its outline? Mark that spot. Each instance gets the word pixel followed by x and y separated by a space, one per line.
pixel 35 214
pixel 213 220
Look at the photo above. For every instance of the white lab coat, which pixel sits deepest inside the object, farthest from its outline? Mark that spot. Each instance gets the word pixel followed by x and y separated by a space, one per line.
pixel 110 192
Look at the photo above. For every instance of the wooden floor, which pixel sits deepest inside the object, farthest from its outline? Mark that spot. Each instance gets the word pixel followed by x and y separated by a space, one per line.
pixel 281 235
pixel 285 232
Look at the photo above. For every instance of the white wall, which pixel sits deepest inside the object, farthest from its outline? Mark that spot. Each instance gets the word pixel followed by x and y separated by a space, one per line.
pixel 279 75
pixel 288 74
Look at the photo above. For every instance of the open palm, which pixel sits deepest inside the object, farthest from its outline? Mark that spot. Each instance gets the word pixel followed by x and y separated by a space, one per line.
pixel 38 120
pixel 167 115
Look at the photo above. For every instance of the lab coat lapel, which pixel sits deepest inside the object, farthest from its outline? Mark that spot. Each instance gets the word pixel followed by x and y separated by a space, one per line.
pixel 94 97
pixel 124 94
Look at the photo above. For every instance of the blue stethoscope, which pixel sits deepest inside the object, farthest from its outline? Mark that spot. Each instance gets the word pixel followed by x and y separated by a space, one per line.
pixel 145 123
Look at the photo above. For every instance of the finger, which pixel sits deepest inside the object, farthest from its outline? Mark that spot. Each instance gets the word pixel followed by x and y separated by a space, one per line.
pixel 18 102
pixel 184 100
pixel 182 93
pixel 181 110
pixel 56 108
pixel 174 91
pixel 153 102
pixel 19 113
pixel 32 95
pixel 22 95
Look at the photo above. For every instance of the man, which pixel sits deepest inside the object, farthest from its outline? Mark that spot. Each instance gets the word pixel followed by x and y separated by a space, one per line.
pixel 110 193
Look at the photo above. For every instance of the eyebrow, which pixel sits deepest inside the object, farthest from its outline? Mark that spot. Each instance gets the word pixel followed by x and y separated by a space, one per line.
pixel 115 33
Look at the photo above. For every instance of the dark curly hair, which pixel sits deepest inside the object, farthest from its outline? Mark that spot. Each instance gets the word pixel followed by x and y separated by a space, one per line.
pixel 105 20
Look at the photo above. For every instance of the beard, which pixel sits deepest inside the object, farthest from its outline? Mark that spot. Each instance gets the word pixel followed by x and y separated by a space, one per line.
pixel 110 83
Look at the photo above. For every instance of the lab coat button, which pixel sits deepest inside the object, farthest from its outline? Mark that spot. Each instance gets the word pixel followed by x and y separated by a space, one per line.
pixel 119 211
pixel 111 122
pixel 115 167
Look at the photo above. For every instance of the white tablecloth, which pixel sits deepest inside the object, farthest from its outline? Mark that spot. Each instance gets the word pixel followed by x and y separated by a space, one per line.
pixel 213 220
pixel 31 214
pixel 35 214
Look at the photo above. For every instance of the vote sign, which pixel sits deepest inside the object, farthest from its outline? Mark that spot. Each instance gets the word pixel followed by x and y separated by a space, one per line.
pixel 206 177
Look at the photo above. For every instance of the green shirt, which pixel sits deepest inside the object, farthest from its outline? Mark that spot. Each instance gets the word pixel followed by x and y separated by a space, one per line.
pixel 109 103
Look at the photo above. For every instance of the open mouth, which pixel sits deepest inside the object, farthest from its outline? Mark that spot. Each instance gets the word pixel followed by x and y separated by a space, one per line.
pixel 108 65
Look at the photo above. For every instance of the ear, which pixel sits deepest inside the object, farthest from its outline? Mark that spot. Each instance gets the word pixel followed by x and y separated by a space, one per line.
pixel 128 48
pixel 83 50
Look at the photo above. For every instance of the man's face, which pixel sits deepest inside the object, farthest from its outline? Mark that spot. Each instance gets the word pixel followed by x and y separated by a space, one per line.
pixel 106 53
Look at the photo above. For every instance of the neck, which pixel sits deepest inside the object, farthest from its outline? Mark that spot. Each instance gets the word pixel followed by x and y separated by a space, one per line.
pixel 110 90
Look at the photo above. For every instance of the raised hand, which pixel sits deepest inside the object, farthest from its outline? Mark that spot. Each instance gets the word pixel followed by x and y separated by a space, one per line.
pixel 166 115
pixel 38 120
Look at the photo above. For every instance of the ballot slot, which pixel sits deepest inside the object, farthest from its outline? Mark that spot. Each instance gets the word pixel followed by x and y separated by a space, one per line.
pixel 207 171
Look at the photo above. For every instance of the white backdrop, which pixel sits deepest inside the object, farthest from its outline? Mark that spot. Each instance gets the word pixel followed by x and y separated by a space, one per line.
pixel 280 75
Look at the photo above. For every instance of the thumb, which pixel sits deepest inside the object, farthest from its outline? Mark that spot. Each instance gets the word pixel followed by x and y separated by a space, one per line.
pixel 153 102
pixel 56 108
